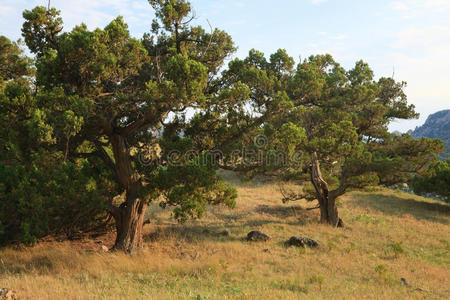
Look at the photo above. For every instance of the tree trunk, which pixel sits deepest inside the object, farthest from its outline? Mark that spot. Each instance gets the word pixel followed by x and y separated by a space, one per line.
pixel 129 223
pixel 129 216
pixel 327 199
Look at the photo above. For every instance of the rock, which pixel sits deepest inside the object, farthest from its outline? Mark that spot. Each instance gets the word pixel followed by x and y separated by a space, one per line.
pixel 225 233
pixel 301 242
pixel 104 248
pixel 7 294
pixel 257 236
pixel 403 280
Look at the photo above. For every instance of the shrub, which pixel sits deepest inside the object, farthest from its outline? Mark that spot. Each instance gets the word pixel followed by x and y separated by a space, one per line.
pixel 35 203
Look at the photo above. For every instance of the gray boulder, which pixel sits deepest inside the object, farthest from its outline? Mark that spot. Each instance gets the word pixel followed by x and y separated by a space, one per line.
pixel 224 233
pixel 257 236
pixel 301 242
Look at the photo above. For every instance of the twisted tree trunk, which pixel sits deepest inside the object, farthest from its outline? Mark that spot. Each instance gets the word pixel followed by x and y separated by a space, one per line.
pixel 327 199
pixel 129 216
pixel 129 223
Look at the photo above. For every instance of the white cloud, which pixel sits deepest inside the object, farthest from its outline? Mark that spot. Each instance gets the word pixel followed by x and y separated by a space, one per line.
pixel 437 3
pixel 94 13
pixel 397 5
pixel 315 2
pixel 421 59
pixel 429 38
pixel 409 9
pixel 340 37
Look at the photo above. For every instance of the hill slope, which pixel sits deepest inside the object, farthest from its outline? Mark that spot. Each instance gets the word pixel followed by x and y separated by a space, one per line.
pixel 437 125
pixel 388 236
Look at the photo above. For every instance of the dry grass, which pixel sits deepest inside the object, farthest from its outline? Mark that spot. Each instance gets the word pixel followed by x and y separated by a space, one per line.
pixel 388 236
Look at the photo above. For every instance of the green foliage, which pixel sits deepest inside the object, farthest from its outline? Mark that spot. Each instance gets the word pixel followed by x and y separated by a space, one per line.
pixel 344 117
pixel 436 180
pixel 36 202
pixel 189 186
pixel 106 116
pixel 394 250
pixel 13 64
pixel 41 28
pixel 100 101
pixel 40 192
pixel 318 107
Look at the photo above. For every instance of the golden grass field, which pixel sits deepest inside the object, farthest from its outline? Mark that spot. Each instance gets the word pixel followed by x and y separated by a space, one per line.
pixel 389 235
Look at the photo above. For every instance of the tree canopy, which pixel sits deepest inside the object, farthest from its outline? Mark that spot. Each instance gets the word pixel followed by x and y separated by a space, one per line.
pixel 329 124
pixel 105 98
pixel 111 123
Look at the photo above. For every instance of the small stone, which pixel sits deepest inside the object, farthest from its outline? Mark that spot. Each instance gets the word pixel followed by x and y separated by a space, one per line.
pixel 104 248
pixel 301 242
pixel 257 236
pixel 225 233
pixel 403 280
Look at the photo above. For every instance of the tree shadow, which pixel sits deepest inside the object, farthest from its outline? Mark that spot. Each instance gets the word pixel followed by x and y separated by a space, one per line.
pixel 239 180
pixel 397 206
pixel 189 233
pixel 284 212
pixel 192 233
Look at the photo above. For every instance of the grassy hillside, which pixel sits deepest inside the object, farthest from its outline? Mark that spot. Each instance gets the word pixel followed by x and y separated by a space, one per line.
pixel 388 236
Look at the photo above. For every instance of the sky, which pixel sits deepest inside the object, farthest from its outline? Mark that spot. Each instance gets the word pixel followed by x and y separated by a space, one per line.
pixel 407 39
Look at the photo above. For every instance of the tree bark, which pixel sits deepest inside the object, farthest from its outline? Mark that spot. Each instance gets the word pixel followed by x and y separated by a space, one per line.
pixel 129 223
pixel 129 216
pixel 327 199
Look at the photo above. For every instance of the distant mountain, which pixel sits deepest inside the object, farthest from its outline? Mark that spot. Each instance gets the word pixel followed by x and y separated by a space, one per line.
pixel 437 126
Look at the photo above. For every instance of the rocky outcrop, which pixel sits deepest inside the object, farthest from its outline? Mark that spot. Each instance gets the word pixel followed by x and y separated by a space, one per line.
pixel 257 236
pixel 301 242
pixel 437 126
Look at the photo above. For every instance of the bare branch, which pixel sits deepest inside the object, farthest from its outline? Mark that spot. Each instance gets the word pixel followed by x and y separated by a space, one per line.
pixel 210 40
pixel 104 94
pixel 190 20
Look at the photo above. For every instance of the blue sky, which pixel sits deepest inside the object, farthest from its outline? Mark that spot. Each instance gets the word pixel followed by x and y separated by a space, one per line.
pixel 411 37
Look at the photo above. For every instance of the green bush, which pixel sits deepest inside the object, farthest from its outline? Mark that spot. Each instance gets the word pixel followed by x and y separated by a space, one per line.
pixel 436 180
pixel 35 203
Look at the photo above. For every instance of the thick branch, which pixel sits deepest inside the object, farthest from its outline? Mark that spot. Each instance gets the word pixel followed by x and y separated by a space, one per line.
pixel 105 157
pixel 102 154
pixel 105 125
pixel 146 120
pixel 339 191
pixel 112 209
pixel 241 133
pixel 320 185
